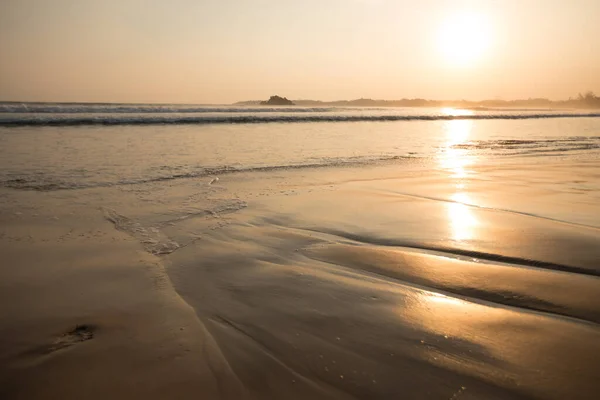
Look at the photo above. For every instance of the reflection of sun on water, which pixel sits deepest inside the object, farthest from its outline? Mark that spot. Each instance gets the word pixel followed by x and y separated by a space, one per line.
pixel 457 132
pixel 462 220
pixel 456 112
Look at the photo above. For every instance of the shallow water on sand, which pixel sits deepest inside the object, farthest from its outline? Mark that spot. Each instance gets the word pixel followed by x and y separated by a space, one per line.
pixel 421 259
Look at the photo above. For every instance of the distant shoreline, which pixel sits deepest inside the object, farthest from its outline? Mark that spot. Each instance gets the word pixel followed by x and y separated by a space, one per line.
pixel 587 101
pixel 590 101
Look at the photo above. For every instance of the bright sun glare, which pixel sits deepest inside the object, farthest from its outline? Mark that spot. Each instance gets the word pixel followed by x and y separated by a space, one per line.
pixel 464 38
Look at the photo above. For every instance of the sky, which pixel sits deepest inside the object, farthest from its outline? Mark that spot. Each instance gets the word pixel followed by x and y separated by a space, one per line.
pixel 223 51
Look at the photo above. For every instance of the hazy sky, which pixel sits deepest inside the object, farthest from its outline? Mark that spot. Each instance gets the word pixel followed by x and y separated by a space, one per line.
pixel 221 51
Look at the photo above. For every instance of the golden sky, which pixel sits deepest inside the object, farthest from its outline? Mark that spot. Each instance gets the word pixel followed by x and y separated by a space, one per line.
pixel 222 51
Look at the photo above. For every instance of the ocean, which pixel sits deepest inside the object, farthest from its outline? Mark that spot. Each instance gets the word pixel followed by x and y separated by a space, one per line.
pixel 320 252
pixel 70 146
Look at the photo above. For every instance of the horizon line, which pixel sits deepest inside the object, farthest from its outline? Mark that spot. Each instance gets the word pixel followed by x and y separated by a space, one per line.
pixel 544 99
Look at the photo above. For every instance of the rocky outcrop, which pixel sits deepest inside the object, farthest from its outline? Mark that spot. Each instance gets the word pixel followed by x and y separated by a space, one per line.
pixel 277 101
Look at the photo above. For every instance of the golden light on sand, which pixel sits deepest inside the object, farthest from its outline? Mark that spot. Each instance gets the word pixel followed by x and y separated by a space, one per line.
pixel 461 218
pixel 455 163
pixel 442 299
pixel 464 38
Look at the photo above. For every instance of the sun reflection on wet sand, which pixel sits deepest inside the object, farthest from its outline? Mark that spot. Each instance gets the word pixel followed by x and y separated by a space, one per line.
pixel 446 315
pixel 462 220
pixel 440 298
pixel 456 161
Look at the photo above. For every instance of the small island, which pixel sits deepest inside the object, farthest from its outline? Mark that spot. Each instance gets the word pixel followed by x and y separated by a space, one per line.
pixel 277 101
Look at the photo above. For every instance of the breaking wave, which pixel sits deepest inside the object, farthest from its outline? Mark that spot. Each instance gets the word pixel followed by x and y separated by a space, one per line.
pixel 75 108
pixel 115 119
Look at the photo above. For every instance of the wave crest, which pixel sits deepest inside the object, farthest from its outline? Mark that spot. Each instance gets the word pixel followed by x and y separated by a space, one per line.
pixel 62 120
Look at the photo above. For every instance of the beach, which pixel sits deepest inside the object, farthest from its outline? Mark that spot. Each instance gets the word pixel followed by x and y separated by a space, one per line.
pixel 449 258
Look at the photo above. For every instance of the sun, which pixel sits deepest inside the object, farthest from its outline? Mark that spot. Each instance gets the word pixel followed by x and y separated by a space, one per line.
pixel 464 38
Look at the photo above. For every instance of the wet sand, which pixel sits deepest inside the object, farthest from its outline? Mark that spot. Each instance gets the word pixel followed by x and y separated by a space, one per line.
pixel 382 282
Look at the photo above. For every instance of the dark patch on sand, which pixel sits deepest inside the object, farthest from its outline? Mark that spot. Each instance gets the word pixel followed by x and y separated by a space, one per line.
pixel 80 333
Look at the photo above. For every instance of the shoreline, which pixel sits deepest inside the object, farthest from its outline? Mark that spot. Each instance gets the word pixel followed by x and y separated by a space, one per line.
pixel 271 284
